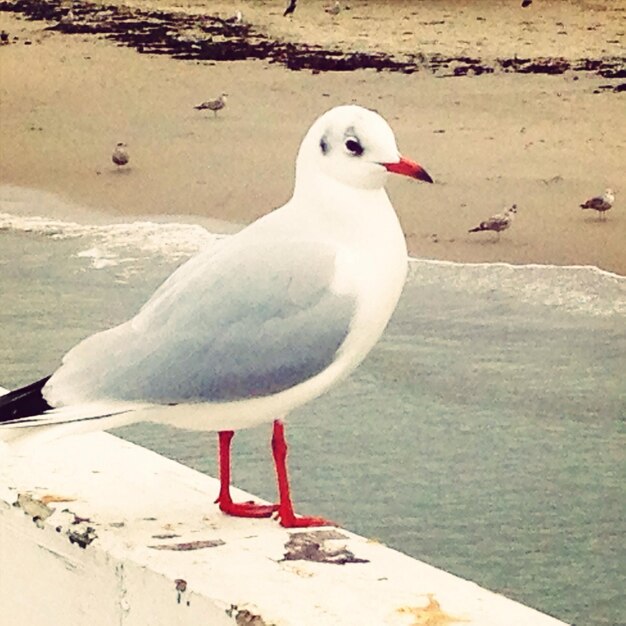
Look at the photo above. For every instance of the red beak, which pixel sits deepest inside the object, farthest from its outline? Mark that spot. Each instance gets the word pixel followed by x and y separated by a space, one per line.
pixel 406 167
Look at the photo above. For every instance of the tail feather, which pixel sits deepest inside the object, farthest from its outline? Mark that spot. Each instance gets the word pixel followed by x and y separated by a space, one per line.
pixel 24 402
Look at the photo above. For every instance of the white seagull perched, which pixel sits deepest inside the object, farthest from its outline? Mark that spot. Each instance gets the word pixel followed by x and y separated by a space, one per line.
pixel 334 9
pixel 601 204
pixel 120 154
pixel 498 222
pixel 213 105
pixel 260 324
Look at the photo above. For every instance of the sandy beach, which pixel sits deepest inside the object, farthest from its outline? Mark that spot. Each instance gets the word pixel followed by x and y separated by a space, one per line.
pixel 545 142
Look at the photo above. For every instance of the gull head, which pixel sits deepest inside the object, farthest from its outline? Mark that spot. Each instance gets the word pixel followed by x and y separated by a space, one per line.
pixel 353 146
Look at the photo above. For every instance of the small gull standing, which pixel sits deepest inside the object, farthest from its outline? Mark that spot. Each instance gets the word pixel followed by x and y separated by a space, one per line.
pixel 601 204
pixel 68 18
pixel 120 154
pixel 256 326
pixel 235 19
pixel 334 9
pixel 213 105
pixel 498 222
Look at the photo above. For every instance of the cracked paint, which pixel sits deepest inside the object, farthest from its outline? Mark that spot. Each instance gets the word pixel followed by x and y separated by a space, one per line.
pixel 82 537
pixel 189 545
pixel 430 615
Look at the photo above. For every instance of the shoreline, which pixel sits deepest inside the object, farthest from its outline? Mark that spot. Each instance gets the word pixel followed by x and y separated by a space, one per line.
pixel 545 142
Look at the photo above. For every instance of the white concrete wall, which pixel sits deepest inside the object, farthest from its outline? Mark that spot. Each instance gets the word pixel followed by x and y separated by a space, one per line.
pixel 126 504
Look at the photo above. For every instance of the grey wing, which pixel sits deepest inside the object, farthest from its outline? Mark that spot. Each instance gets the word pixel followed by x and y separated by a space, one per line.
pixel 245 323
pixel 496 221
pixel 596 203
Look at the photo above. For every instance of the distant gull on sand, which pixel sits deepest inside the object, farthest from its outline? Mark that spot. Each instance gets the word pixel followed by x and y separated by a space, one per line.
pixel 498 222
pixel 120 154
pixel 291 7
pixel 235 19
pixel 335 9
pixel 601 204
pixel 254 327
pixel 213 105
pixel 68 18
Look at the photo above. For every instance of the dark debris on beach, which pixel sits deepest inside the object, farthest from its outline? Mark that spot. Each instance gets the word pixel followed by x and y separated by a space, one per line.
pixel 212 38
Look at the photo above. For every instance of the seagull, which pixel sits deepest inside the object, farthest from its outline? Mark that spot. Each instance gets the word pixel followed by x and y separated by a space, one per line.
pixel 120 154
pixel 291 7
pixel 68 18
pixel 235 19
pixel 213 105
pixel 600 203
pixel 498 222
pixel 335 9
pixel 256 326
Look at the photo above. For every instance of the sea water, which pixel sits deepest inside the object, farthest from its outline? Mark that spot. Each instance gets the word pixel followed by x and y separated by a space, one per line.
pixel 484 434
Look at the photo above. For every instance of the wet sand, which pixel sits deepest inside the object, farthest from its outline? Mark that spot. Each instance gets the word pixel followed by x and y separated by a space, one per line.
pixel 544 142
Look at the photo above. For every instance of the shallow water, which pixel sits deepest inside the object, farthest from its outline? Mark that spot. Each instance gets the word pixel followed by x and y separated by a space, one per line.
pixel 484 434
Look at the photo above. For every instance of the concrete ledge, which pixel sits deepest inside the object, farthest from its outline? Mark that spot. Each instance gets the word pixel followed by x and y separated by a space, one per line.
pixel 95 530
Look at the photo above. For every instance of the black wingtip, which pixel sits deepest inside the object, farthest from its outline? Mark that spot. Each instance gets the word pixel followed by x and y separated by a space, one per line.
pixel 24 402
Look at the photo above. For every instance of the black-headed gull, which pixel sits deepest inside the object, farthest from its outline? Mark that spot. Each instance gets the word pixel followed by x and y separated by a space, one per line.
pixel 600 203
pixel 213 105
pixel 248 330
pixel 498 222
pixel 120 154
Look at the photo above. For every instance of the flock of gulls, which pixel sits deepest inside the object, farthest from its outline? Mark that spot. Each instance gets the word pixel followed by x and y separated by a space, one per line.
pixel 273 318
pixel 495 223
pixel 333 9
pixel 502 221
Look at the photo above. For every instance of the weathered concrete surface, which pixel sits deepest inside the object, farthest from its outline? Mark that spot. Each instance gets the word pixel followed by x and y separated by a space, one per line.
pixel 95 530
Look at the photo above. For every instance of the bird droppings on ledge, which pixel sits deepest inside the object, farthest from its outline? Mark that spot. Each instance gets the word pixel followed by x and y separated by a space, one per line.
pixel 77 518
pixel 82 537
pixel 189 545
pixel 430 615
pixel 243 617
pixel 310 546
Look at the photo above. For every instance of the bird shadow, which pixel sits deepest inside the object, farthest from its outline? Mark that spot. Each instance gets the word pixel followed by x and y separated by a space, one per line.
pixel 589 219
pixel 484 241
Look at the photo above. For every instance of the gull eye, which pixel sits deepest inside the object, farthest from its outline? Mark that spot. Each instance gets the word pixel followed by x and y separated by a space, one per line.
pixel 354 147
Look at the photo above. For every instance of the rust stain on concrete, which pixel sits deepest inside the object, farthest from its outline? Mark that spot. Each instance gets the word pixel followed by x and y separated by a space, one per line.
pixel 431 614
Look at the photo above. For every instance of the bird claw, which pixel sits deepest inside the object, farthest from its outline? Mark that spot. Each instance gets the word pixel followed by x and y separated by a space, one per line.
pixel 247 509
pixel 290 520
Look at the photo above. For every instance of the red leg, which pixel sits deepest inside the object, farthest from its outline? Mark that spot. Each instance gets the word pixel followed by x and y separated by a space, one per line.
pixel 286 513
pixel 226 504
